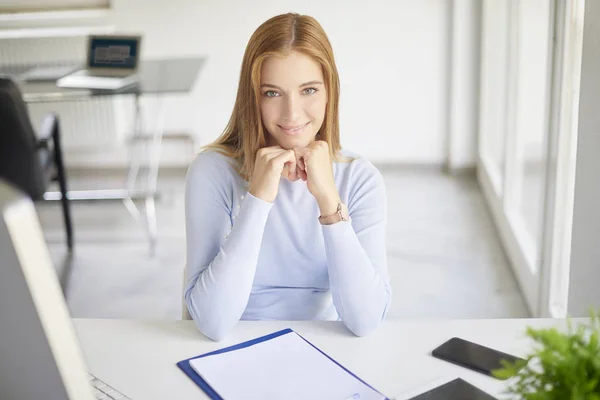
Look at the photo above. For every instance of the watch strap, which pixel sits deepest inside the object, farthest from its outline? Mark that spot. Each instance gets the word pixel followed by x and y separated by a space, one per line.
pixel 341 214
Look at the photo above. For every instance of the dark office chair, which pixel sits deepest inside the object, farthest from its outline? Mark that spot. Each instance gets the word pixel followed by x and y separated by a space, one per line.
pixel 28 162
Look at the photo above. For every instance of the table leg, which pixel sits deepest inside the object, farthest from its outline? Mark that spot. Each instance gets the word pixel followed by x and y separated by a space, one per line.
pixel 131 193
pixel 152 178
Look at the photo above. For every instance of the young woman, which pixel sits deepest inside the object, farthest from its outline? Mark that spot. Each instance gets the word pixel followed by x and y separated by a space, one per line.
pixel 282 224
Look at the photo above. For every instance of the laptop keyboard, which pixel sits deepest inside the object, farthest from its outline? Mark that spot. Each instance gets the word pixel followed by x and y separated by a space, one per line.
pixel 103 391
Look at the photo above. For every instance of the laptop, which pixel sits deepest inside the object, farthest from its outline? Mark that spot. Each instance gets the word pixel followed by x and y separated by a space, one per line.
pixel 111 63
pixel 40 356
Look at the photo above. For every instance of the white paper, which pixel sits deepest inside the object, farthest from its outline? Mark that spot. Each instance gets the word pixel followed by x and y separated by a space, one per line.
pixel 286 367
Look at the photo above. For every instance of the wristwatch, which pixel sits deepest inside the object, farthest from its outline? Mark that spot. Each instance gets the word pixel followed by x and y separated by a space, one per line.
pixel 341 214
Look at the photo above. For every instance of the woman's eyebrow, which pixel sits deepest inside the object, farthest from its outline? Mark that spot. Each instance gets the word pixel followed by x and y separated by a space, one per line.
pixel 304 84
pixel 312 83
pixel 270 85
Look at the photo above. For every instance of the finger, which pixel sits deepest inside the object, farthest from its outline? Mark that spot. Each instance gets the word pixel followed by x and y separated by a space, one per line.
pixel 287 168
pixel 301 163
pixel 290 172
pixel 294 175
pixel 292 167
pixel 287 156
pixel 273 148
pixel 316 144
pixel 264 151
pixel 300 151
pixel 306 160
pixel 285 171
pixel 303 175
pixel 293 178
pixel 273 154
pixel 293 172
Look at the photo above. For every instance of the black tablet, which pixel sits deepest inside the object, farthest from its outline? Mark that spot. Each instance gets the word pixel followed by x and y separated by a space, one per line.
pixel 457 389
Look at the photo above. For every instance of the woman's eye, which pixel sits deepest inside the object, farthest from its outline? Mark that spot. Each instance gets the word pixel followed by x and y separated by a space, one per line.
pixel 310 90
pixel 271 93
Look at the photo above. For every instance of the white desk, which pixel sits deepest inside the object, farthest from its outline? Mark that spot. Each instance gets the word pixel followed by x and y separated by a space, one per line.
pixel 139 357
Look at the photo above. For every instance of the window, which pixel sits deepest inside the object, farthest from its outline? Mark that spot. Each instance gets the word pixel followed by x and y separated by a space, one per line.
pixel 30 6
pixel 20 18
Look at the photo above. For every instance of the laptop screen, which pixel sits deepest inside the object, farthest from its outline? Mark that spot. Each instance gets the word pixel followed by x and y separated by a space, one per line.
pixel 108 52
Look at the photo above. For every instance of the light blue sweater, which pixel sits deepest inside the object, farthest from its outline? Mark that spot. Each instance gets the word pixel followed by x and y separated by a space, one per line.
pixel 255 260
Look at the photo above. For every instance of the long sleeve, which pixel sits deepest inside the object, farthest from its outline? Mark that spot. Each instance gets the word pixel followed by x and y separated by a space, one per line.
pixel 222 247
pixel 356 255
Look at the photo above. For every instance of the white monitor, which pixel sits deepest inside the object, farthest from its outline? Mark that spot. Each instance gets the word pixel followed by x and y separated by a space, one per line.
pixel 40 357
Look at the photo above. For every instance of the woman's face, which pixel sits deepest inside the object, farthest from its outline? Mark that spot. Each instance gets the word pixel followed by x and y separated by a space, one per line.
pixel 293 99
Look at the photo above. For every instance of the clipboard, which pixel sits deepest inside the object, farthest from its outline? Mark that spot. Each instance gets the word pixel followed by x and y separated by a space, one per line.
pixel 185 366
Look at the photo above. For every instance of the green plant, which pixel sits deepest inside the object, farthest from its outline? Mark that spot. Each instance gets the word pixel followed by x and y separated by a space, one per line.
pixel 562 366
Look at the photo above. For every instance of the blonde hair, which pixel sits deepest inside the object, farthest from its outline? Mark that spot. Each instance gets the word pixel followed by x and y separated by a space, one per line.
pixel 245 134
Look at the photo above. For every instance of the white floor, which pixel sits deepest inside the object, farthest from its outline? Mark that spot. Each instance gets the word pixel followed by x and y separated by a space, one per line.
pixel 444 255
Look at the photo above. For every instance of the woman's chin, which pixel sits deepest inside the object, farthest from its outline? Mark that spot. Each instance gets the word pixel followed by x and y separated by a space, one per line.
pixel 291 142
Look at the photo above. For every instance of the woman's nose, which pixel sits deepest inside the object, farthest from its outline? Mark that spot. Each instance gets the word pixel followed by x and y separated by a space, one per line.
pixel 292 109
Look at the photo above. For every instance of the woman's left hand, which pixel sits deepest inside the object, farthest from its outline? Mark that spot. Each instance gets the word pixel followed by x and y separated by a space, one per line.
pixel 317 164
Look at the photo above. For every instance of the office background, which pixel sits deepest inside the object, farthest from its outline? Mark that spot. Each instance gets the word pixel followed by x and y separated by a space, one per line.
pixel 455 101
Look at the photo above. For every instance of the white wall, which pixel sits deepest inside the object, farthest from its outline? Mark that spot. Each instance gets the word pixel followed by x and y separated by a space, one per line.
pixel 392 56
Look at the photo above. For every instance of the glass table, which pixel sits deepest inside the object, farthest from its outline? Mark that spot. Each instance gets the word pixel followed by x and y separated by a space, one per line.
pixel 155 78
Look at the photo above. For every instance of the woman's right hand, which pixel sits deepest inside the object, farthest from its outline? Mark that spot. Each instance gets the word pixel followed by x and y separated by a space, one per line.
pixel 271 162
